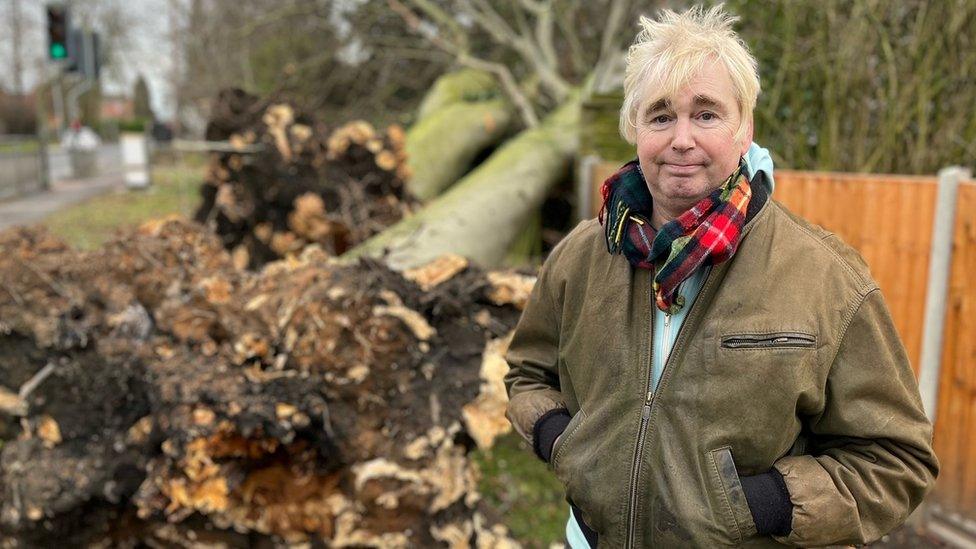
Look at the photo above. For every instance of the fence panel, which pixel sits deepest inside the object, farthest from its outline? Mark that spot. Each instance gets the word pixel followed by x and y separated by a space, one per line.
pixel 888 219
pixel 955 426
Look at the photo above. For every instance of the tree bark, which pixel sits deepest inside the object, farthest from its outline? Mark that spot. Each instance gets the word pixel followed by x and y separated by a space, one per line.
pixel 442 146
pixel 463 86
pixel 484 213
pixel 463 114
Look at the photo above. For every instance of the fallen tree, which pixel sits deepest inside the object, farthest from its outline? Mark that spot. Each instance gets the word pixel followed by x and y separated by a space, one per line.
pixel 463 115
pixel 157 394
pixel 461 86
pixel 483 214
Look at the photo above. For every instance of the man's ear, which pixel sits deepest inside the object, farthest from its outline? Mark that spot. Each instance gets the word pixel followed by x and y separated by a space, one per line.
pixel 746 139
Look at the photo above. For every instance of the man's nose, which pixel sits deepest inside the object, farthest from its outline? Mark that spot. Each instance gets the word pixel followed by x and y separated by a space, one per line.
pixel 682 140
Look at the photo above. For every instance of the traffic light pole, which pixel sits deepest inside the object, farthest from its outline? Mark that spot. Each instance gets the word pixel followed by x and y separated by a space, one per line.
pixel 57 96
pixel 80 88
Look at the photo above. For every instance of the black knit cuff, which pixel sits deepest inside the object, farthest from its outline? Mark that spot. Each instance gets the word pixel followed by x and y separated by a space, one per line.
pixel 546 429
pixel 769 502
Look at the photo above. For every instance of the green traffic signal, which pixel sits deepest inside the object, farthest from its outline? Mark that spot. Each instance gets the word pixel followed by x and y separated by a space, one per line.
pixel 58 27
pixel 58 51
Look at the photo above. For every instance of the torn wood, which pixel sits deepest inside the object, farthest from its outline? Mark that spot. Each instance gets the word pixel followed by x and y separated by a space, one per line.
pixel 306 402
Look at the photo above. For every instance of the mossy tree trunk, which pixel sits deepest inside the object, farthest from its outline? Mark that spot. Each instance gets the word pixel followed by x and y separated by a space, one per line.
pixel 442 146
pixel 463 115
pixel 484 213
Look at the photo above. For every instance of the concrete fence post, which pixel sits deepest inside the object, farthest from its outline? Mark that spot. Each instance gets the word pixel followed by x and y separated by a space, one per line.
pixel 936 294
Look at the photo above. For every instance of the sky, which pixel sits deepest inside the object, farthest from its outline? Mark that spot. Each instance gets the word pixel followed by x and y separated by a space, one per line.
pixel 148 50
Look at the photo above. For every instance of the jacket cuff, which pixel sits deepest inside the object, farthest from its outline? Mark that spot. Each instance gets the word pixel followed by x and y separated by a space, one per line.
pixel 546 429
pixel 769 502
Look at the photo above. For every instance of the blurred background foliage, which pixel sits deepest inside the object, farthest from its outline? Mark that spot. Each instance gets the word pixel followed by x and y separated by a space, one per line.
pixel 853 85
pixel 865 85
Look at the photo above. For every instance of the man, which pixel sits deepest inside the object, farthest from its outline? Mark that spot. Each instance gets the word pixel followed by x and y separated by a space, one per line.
pixel 705 368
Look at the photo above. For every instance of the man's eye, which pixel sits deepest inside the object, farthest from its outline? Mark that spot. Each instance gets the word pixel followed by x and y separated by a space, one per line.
pixel 707 116
pixel 660 119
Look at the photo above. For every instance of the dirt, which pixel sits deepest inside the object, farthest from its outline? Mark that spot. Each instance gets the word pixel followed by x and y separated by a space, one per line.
pixel 290 180
pixel 178 397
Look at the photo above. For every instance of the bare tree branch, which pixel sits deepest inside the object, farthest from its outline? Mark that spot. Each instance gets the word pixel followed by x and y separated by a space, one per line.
pixel 489 20
pixel 618 9
pixel 444 20
pixel 464 57
pixel 565 19
pixel 544 31
pixel 610 50
pixel 508 83
pixel 520 18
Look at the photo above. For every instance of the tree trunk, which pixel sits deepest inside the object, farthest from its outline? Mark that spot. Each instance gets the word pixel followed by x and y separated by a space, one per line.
pixel 461 116
pixel 442 146
pixel 484 213
pixel 463 86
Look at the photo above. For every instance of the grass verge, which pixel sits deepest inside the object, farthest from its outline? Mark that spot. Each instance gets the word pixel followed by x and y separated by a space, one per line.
pixel 525 493
pixel 88 224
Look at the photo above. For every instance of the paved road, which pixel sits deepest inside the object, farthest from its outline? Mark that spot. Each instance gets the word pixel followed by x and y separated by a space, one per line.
pixel 64 191
pixel 33 208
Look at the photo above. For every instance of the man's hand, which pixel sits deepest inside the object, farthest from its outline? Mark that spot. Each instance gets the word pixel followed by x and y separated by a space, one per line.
pixel 547 431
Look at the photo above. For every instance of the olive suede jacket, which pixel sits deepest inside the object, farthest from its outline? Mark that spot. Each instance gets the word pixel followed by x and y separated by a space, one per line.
pixel 788 361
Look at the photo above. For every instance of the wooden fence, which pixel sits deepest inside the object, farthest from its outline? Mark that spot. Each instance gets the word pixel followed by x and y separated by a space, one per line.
pixel 889 219
pixel 955 427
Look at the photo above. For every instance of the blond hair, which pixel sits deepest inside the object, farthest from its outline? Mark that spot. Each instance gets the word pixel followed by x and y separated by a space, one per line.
pixel 670 51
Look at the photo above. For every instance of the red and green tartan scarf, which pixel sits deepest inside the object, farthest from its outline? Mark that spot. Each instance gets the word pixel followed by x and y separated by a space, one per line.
pixel 707 234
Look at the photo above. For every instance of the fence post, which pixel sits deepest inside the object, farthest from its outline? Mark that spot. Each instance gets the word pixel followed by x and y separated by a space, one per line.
pixel 940 261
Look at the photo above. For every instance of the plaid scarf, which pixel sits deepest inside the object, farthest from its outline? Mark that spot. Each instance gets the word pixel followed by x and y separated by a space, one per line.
pixel 707 234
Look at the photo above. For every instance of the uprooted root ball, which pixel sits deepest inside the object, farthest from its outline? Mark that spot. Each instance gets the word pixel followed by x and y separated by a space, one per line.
pixel 289 181
pixel 155 391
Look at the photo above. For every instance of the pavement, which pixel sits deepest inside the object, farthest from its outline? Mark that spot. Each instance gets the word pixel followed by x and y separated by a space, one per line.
pixel 35 207
pixel 64 190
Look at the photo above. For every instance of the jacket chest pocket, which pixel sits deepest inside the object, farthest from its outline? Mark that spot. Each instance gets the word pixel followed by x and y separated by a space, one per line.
pixel 763 372
pixel 769 340
pixel 773 352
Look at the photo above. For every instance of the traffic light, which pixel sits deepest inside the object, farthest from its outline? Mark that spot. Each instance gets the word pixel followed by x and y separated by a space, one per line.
pixel 57 32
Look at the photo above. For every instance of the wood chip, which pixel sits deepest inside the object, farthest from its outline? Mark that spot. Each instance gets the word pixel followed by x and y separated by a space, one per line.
pixel 510 288
pixel 440 270
pixel 421 329
pixel 11 403
pixel 203 417
pixel 49 431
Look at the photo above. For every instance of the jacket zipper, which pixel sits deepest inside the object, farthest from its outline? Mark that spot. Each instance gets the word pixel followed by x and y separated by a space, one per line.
pixel 667 332
pixel 645 416
pixel 758 341
pixel 651 396
pixel 649 400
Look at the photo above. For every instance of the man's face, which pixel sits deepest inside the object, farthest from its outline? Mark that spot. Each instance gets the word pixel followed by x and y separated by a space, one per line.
pixel 686 144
